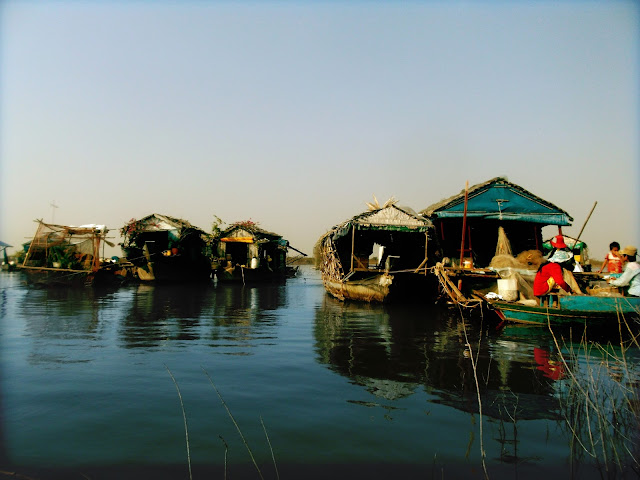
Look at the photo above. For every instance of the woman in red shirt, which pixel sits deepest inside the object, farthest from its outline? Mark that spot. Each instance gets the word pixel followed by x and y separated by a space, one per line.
pixel 551 274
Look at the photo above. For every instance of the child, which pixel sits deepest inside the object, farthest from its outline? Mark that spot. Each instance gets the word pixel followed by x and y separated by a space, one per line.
pixel 613 260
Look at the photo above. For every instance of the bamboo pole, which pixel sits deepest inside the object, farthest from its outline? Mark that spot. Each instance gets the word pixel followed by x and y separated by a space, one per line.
pixel 464 228
pixel 585 222
pixel 353 243
pixel 426 245
pixel 464 221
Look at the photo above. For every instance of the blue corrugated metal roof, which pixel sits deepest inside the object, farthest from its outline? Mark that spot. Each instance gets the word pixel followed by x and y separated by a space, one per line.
pixel 500 200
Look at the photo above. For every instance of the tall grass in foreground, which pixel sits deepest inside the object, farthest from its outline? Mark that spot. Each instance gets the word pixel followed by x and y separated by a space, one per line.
pixel 224 404
pixel 600 401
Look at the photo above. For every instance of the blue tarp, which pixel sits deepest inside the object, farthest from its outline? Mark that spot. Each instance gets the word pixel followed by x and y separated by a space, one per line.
pixel 501 200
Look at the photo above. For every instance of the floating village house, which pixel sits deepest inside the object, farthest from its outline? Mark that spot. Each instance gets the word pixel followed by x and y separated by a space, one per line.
pixel 247 253
pixel 501 221
pixel 495 210
pixel 167 249
pixel 378 255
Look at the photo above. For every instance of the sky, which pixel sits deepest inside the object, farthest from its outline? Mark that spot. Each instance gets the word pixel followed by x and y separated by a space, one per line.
pixel 294 114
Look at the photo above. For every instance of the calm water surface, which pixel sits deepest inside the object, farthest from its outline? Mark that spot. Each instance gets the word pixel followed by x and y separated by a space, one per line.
pixel 328 389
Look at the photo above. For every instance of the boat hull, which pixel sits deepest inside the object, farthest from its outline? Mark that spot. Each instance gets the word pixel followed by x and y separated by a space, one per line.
pixel 572 309
pixel 373 289
pixel 59 277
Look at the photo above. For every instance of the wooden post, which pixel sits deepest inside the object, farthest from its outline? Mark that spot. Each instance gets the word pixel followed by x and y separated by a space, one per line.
pixel 464 228
pixel 96 251
pixel 353 243
pixel 426 255
pixel 464 221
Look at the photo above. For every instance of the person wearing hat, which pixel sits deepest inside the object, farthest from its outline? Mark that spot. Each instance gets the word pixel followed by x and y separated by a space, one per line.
pixel 558 243
pixel 554 273
pixel 631 275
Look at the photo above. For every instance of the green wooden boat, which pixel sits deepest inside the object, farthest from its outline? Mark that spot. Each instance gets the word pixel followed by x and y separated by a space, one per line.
pixel 570 310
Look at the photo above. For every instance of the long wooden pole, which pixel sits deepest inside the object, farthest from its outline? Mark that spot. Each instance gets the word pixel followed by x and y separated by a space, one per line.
pixel 464 228
pixel 426 249
pixel 464 221
pixel 353 244
pixel 585 222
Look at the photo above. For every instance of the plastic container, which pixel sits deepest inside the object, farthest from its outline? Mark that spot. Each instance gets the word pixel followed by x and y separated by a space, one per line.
pixel 508 289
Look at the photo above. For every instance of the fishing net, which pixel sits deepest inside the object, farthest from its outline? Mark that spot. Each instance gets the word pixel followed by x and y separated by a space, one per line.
pixel 504 246
pixel 527 260
pixel 525 287
pixel 63 246
pixel 531 258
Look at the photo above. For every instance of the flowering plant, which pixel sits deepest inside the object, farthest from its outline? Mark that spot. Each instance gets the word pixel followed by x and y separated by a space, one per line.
pixel 246 224
pixel 132 230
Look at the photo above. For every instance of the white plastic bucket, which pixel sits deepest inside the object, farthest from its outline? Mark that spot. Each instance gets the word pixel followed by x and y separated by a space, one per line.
pixel 508 288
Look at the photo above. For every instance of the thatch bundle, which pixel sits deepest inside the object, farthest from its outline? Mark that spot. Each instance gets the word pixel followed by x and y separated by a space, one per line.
pixel 376 205
pixel 532 258
pixel 327 259
pixel 504 246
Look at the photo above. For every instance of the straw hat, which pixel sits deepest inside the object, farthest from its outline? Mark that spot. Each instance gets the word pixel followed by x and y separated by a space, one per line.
pixel 558 242
pixel 561 256
pixel 629 250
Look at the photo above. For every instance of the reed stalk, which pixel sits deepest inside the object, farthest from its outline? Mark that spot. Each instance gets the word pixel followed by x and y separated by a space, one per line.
pixel 270 448
pixel 226 451
pixel 600 401
pixel 184 417
pixel 474 366
pixel 224 404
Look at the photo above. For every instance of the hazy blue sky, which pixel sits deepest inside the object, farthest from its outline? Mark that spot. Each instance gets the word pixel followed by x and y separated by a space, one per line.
pixel 293 114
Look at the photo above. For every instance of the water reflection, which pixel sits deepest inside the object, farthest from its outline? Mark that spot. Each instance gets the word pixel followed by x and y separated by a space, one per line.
pixel 62 317
pixel 147 316
pixel 393 351
pixel 244 316
pixel 56 313
pixel 162 313
pixel 222 315
pixel 247 304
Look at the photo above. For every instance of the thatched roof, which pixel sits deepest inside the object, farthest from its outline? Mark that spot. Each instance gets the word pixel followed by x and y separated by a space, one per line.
pixel 157 222
pixel 389 217
pixel 499 199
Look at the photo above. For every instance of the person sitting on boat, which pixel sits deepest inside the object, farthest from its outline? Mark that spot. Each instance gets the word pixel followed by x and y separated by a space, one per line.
pixel 555 274
pixel 631 275
pixel 613 260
